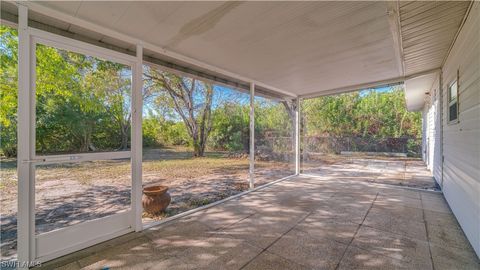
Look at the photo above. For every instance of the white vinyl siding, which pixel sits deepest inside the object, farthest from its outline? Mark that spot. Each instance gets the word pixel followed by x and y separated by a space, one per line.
pixel 432 132
pixel 461 142
pixel 437 156
pixel 424 134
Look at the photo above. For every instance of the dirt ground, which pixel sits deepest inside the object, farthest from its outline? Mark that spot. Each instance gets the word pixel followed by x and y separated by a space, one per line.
pixel 72 193
pixel 68 194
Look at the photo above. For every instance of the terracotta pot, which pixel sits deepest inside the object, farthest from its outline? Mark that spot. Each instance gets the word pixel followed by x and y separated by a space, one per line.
pixel 155 199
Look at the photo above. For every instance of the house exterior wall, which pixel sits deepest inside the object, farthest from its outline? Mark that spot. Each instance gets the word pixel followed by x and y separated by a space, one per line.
pixel 461 141
pixel 432 152
pixel 424 133
pixel 437 167
pixel 431 134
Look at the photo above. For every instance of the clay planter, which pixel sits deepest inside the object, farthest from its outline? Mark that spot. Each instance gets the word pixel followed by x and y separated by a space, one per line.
pixel 155 199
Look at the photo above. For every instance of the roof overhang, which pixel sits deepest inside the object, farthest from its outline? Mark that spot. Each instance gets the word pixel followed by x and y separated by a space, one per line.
pixel 417 89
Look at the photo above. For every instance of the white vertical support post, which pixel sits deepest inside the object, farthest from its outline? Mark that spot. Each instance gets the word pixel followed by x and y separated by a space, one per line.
pixel 440 90
pixel 25 236
pixel 252 137
pixel 137 104
pixel 297 136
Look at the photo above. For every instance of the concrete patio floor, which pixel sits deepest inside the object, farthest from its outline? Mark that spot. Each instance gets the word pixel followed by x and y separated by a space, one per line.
pixel 305 222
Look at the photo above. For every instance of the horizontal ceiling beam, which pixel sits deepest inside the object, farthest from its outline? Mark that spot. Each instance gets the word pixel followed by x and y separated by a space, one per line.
pixel 395 29
pixel 185 71
pixel 374 84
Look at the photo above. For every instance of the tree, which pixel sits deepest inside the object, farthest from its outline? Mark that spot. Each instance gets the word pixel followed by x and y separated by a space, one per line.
pixel 112 83
pixel 366 113
pixel 71 114
pixel 8 91
pixel 231 127
pixel 191 100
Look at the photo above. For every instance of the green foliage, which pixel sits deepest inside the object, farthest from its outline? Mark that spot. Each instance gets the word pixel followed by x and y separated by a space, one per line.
pixel 159 132
pixel 230 129
pixel 175 133
pixel 188 98
pixel 272 117
pixel 152 129
pixel 8 91
pixel 82 103
pixel 361 114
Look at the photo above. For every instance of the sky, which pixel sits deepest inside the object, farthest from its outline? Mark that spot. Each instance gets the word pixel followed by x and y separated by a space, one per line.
pixel 383 89
pixel 229 91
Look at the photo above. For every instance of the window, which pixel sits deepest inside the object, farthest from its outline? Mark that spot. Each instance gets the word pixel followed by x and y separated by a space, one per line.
pixel 453 102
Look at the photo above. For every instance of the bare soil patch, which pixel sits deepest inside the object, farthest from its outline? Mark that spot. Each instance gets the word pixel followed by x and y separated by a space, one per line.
pixel 67 194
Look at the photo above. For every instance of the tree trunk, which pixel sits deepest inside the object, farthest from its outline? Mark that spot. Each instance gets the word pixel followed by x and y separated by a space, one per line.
pixel 124 131
pixel 124 142
pixel 198 148
pixel 197 120
pixel 85 141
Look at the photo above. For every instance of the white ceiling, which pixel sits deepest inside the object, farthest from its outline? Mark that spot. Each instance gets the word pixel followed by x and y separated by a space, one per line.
pixel 299 47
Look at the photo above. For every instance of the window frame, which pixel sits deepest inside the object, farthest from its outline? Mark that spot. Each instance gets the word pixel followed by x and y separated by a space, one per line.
pixel 453 101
